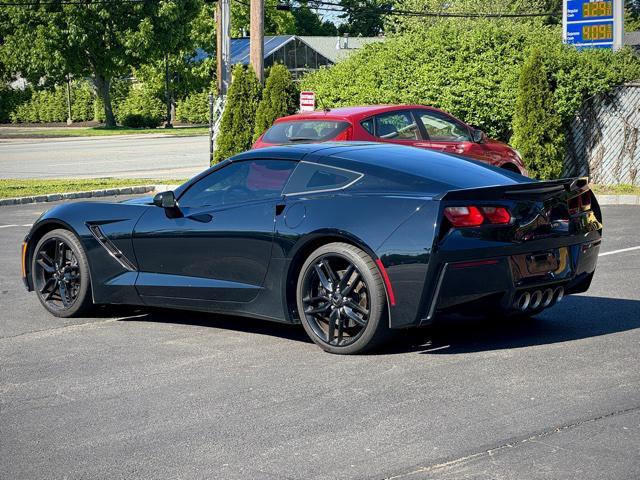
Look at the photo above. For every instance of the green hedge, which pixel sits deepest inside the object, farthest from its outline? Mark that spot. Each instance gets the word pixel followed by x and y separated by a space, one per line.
pixel 50 105
pixel 141 108
pixel 471 69
pixel 10 99
pixel 194 108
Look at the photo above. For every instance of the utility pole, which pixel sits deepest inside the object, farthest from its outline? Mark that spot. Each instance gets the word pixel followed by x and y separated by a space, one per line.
pixel 223 46
pixel 69 117
pixel 167 92
pixel 256 48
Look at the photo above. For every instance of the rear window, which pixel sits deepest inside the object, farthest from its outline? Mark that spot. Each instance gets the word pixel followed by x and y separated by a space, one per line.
pixel 309 177
pixel 304 131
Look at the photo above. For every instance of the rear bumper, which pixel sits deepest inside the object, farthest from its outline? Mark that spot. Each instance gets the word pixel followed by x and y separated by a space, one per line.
pixel 496 282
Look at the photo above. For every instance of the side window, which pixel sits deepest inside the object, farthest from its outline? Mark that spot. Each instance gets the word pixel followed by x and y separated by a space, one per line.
pixel 242 181
pixel 396 126
pixel 441 128
pixel 368 125
pixel 310 177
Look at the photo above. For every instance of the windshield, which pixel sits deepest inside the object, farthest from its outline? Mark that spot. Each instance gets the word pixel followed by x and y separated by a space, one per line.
pixel 304 131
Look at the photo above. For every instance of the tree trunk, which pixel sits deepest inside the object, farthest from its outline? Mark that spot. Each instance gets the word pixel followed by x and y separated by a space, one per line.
pixel 102 85
pixel 167 93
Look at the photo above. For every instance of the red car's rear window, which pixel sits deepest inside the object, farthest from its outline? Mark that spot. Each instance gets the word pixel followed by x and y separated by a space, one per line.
pixel 304 131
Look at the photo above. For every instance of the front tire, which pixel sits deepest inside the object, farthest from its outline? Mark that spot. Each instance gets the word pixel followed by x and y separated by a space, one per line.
pixel 341 300
pixel 60 274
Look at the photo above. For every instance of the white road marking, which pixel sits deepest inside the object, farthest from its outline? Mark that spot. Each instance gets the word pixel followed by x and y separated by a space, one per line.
pixel 619 251
pixel 7 226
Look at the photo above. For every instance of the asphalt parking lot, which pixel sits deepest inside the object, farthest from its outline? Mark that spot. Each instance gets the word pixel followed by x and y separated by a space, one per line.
pixel 133 394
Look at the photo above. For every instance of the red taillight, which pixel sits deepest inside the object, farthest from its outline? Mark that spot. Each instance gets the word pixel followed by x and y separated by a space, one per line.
pixel 346 134
pixel 471 216
pixel 464 216
pixel 258 142
pixel 497 215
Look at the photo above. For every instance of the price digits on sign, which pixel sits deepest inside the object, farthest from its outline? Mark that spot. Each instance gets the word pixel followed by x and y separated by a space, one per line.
pixel 597 32
pixel 597 9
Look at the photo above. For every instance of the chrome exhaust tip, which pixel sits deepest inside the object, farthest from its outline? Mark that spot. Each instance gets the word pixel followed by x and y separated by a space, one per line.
pixel 522 302
pixel 536 299
pixel 547 297
pixel 558 294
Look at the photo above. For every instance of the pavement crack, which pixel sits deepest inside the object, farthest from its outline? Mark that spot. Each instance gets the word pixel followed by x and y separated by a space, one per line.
pixel 513 443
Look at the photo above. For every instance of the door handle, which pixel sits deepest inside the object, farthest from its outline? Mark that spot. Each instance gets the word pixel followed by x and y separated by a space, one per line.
pixel 201 217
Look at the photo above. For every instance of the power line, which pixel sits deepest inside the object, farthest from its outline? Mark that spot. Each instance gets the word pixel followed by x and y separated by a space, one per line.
pixel 35 3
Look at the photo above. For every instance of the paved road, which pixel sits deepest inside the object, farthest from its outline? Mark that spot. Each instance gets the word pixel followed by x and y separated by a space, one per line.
pixel 185 395
pixel 142 156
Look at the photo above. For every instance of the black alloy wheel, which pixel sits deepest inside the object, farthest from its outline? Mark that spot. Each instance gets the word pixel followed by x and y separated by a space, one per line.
pixel 341 299
pixel 60 274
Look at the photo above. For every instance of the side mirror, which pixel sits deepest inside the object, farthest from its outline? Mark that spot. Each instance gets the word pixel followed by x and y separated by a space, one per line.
pixel 479 136
pixel 165 200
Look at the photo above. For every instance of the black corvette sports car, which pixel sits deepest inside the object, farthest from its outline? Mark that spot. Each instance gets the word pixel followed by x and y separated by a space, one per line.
pixel 351 240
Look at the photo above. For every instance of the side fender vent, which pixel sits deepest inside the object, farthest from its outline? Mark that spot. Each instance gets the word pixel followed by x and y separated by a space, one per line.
pixel 109 246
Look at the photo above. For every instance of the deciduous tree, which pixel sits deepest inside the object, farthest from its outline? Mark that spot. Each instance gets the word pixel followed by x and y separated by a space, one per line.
pixel 103 40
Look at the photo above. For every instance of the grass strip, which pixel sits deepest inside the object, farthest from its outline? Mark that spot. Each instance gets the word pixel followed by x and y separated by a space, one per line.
pixel 622 189
pixel 45 132
pixel 10 188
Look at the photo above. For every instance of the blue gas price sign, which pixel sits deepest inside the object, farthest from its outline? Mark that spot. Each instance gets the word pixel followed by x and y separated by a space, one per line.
pixel 593 24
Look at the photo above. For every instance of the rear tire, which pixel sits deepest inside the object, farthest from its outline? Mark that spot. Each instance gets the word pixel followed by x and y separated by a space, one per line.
pixel 341 300
pixel 60 274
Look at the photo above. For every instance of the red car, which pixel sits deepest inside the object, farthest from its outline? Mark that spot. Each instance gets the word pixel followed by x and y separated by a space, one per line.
pixel 413 125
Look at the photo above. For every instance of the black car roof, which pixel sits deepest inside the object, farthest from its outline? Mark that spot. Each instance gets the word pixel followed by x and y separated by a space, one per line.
pixel 298 151
pixel 448 171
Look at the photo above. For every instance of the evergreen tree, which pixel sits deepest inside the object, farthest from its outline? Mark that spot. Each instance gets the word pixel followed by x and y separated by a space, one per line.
pixel 278 99
pixel 537 128
pixel 239 117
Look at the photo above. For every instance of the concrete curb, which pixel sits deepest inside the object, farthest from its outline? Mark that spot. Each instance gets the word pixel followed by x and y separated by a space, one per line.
pixel 54 197
pixel 618 199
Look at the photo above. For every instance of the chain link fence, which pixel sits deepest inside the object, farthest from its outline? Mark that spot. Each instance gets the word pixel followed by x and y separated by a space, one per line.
pixel 603 138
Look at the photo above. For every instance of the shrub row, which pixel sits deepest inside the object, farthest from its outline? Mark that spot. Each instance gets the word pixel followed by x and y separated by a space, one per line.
pixel 134 105
pixel 50 105
pixel 194 108
pixel 473 70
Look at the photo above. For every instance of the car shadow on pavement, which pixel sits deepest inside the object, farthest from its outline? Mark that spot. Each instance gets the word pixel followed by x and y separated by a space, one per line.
pixel 225 322
pixel 574 318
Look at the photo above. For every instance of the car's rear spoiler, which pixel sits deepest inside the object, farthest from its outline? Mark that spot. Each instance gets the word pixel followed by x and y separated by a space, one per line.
pixel 530 191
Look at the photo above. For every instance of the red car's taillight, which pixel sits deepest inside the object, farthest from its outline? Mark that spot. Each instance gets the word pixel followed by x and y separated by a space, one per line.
pixel 346 134
pixel 258 142
pixel 471 216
